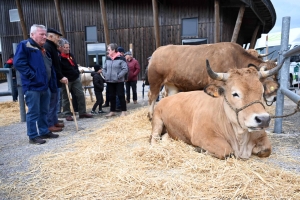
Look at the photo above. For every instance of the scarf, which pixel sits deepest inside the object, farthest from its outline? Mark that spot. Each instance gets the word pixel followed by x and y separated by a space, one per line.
pixel 67 56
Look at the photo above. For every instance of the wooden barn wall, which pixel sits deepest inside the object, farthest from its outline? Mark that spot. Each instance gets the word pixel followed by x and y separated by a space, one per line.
pixel 129 22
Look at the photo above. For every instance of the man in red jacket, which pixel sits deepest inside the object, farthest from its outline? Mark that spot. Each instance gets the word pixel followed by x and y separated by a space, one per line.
pixel 134 69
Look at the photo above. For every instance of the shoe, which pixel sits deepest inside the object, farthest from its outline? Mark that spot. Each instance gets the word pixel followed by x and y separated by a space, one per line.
pixel 135 102
pixel 101 111
pixel 127 101
pixel 49 136
pixel 105 105
pixel 61 125
pixel 118 110
pixel 55 129
pixel 69 118
pixel 110 114
pixel 85 115
pixel 60 121
pixel 124 113
pixel 93 112
pixel 37 140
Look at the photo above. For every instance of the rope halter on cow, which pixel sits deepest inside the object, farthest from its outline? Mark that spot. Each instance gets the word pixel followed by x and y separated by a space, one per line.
pixel 237 110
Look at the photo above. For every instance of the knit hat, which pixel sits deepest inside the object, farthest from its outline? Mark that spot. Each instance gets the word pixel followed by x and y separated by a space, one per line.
pixel 97 67
pixel 121 49
pixel 128 53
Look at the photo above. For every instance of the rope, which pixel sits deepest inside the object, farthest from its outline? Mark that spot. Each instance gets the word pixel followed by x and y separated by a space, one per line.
pixel 297 109
pixel 242 108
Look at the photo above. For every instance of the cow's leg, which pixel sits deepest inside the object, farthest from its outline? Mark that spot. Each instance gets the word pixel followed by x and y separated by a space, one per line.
pixel 157 129
pixel 91 94
pixel 153 94
pixel 262 146
pixel 215 146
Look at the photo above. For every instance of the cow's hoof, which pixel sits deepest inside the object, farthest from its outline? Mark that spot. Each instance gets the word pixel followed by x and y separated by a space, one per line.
pixel 149 117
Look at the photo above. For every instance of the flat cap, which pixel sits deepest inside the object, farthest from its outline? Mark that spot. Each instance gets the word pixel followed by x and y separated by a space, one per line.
pixel 52 30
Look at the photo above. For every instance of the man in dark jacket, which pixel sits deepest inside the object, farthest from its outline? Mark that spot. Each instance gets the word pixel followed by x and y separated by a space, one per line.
pixel 38 76
pixel 51 47
pixel 69 69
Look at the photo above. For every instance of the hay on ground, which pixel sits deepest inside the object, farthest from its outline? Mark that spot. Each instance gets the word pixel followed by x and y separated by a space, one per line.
pixel 117 162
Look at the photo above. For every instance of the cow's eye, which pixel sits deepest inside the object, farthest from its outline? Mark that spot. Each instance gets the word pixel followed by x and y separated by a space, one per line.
pixel 235 95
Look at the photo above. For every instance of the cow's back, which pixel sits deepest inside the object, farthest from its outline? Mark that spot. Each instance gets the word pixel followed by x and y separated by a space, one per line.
pixel 184 66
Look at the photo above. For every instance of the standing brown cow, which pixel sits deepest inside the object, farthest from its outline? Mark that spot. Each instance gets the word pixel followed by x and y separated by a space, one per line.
pixel 182 67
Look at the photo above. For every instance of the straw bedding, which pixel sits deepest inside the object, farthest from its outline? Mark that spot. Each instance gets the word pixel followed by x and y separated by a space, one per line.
pixel 117 162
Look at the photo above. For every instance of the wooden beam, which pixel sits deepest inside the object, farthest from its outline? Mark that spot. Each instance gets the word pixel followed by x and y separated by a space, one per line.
pixel 238 24
pixel 254 37
pixel 156 24
pixel 23 25
pixel 59 17
pixel 104 21
pixel 217 21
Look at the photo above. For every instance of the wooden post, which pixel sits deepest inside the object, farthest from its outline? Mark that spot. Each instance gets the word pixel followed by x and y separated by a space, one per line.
pixel 59 17
pixel 238 24
pixel 217 21
pixel 156 24
pixel 130 48
pixel 104 21
pixel 253 39
pixel 23 25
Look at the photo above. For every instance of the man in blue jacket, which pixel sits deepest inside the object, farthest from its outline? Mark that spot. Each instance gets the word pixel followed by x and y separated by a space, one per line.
pixel 38 80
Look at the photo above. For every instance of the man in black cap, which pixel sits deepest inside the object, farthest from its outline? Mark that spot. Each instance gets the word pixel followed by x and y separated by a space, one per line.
pixel 53 36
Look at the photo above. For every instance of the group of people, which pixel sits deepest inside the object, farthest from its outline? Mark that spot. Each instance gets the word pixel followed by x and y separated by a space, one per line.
pixel 47 68
pixel 48 71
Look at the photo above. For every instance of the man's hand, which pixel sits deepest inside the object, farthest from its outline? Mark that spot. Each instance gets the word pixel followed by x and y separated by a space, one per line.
pixel 64 80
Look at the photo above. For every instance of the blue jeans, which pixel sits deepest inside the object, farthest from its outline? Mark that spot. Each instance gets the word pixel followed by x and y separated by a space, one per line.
pixel 52 114
pixel 36 116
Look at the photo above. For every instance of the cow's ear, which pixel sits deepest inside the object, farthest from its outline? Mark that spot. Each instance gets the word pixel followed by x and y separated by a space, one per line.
pixel 214 90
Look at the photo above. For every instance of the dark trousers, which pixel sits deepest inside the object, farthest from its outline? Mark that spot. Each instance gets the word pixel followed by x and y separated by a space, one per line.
pixel 116 89
pixel 15 90
pixel 131 84
pixel 99 101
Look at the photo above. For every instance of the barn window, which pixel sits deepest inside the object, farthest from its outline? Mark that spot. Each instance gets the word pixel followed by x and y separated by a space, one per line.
pixel 91 34
pixel 189 27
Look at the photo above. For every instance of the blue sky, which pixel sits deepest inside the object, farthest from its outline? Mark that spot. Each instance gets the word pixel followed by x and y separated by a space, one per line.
pixel 286 8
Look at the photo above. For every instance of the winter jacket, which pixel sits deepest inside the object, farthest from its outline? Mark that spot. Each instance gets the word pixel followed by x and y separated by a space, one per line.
pixel 134 69
pixel 98 82
pixel 69 71
pixel 29 61
pixel 114 70
pixel 51 48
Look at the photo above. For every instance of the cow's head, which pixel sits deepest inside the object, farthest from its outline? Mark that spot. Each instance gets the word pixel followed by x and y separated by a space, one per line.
pixel 242 93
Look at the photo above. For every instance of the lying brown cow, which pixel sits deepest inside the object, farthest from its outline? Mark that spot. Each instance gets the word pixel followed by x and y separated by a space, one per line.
pixel 182 67
pixel 231 123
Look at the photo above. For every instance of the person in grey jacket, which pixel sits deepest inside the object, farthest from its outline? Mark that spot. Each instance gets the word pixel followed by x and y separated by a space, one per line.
pixel 114 71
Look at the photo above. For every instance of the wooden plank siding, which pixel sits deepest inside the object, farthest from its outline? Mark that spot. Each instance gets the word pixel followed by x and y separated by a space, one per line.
pixel 129 22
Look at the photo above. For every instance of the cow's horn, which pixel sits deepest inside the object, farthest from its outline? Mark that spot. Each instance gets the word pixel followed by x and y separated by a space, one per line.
pixel 271 72
pixel 214 75
pixel 264 55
